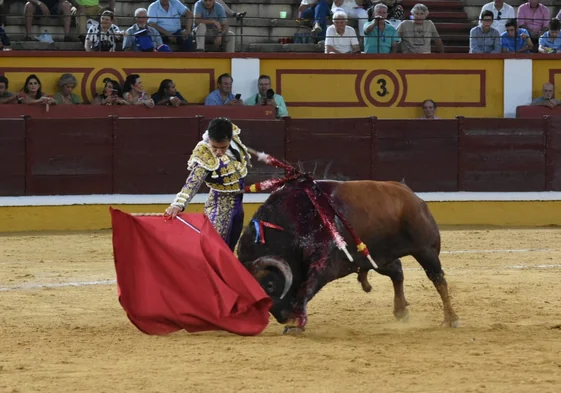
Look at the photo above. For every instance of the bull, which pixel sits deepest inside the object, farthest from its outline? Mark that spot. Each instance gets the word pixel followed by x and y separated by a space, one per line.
pixel 294 257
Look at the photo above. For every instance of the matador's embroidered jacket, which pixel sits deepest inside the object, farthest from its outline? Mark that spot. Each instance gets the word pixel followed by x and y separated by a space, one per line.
pixel 223 175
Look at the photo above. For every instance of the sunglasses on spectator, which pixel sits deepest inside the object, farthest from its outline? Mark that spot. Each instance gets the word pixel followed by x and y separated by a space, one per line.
pixel 499 15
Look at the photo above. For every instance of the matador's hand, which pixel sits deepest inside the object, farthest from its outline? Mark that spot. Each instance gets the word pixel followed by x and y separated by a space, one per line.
pixel 172 211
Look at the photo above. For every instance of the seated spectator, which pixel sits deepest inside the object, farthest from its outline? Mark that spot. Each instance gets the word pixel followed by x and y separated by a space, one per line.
pixel 534 17
pixel 547 98
pixel 4 40
pixel 483 38
pixel 65 95
pixel 514 39
pixel 46 8
pixel 133 92
pixel 502 12
pixel 211 26
pixel 395 11
pixel 5 96
pixel 167 94
pixel 140 36
pixel 111 94
pixel 429 110
pixel 223 95
pixel 102 37
pixel 416 34
pixel 353 9
pixel 339 37
pixel 32 93
pixel 550 42
pixel 165 16
pixel 91 9
pixel 379 35
pixel 267 96
pixel 318 11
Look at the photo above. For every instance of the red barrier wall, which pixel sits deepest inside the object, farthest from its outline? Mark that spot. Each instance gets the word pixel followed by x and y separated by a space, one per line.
pixel 536 111
pixel 149 155
pixel 92 111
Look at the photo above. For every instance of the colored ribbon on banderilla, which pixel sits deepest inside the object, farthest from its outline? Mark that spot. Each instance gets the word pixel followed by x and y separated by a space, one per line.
pixel 316 196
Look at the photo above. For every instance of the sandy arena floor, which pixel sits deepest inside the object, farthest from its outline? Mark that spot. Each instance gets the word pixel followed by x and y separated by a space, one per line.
pixel 60 338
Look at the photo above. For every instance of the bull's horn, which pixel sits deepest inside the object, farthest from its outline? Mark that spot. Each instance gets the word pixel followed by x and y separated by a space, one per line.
pixel 281 265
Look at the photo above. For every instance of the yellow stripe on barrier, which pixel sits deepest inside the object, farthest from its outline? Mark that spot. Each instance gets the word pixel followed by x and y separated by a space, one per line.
pixel 96 216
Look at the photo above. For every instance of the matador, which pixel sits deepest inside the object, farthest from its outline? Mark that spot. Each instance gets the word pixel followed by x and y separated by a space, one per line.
pixel 220 160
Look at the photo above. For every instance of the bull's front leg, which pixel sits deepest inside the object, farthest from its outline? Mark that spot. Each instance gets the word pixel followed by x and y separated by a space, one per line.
pixel 314 282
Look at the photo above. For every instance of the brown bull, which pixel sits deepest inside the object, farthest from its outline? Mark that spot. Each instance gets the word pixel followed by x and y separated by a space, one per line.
pixel 296 262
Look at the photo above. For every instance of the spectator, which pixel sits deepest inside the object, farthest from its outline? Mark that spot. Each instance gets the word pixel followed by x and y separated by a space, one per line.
pixel 534 17
pixel 65 95
pixel 395 11
pixel 165 16
pixel 318 11
pixel 111 94
pixel 91 9
pixel 267 96
pixel 483 38
pixel 502 12
pixel 4 40
pixel 102 37
pixel 416 34
pixel 514 39
pixel 550 42
pixel 379 35
pixel 429 110
pixel 211 26
pixel 167 94
pixel 547 98
pixel 353 9
pixel 140 36
pixel 47 8
pixel 133 92
pixel 223 95
pixel 32 93
pixel 339 37
pixel 5 96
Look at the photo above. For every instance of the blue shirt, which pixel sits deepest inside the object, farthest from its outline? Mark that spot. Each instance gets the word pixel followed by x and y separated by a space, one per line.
pixel 547 42
pixel 383 44
pixel 215 98
pixel 217 13
pixel 513 44
pixel 170 19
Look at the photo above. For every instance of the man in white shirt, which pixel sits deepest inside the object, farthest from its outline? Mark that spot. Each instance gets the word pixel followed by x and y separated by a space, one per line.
pixel 354 9
pixel 502 12
pixel 339 37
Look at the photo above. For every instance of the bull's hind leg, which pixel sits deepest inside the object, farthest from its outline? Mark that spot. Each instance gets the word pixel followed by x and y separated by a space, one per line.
pixel 430 262
pixel 394 271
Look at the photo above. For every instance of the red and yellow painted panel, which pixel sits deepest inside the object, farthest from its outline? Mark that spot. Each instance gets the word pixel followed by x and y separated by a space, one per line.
pixel 194 78
pixel 546 71
pixel 388 88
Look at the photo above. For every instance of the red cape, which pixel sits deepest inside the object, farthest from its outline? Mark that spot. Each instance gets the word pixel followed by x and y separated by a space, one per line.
pixel 170 277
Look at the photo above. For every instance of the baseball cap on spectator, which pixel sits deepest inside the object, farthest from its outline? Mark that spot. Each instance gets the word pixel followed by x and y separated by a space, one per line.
pixel 163 48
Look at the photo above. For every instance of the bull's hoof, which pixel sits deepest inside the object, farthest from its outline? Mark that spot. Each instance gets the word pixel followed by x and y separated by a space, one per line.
pixel 293 330
pixel 402 315
pixel 452 324
pixel 366 287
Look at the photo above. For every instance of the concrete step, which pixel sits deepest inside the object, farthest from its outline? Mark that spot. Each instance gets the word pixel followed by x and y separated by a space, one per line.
pixel 57 46
pixel 454 5
pixel 454 27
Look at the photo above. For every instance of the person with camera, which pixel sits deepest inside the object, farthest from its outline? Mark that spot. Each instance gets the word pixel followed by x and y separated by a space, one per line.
pixel 102 37
pixel 380 36
pixel 267 96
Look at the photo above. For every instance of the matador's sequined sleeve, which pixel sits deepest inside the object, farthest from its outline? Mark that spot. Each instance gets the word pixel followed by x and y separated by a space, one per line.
pixel 194 181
